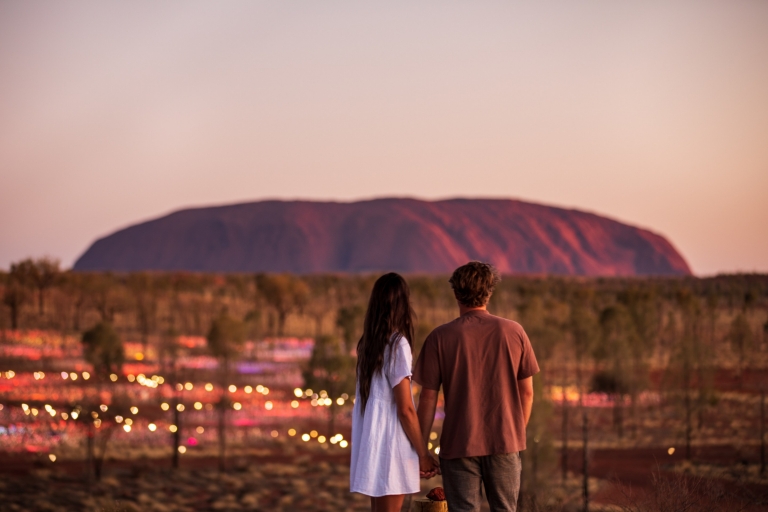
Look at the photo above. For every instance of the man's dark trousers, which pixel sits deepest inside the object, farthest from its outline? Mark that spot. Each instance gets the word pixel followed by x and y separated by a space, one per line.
pixel 499 474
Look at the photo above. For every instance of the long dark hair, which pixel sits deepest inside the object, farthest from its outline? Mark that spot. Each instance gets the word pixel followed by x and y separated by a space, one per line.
pixel 389 312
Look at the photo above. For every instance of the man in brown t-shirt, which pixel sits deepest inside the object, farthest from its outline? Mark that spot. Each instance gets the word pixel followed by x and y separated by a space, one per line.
pixel 485 365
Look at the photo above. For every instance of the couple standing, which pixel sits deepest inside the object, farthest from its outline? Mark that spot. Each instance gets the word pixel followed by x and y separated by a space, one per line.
pixel 485 365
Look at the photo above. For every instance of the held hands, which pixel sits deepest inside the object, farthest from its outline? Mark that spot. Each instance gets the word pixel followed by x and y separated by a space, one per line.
pixel 428 466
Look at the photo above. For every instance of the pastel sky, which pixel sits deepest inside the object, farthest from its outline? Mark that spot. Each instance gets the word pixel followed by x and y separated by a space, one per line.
pixel 654 113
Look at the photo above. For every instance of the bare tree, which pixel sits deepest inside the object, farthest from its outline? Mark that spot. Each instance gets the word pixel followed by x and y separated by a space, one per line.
pixel 225 340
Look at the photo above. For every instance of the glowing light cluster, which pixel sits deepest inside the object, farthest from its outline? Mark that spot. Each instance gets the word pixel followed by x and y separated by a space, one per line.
pixel 39 375
pixel 148 382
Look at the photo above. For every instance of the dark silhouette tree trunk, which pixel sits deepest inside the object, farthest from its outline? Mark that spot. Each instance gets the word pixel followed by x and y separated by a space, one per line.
pixel 176 435
pixel 564 451
pixel 762 431
pixel 585 461
pixel 222 435
pixel 89 453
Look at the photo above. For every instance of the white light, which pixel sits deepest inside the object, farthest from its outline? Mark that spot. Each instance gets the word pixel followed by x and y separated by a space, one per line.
pixel 343 444
pixel 134 410
pixel 128 421
pixel 64 375
pixel 200 430
pixel 308 392
pixel 87 376
pixel 265 391
pixel 248 389
pixel 173 428
pixel 152 427
pixel 237 406
pixel 165 406
pixel 437 451
pixel 268 406
pixel 340 401
pixel 75 415
pixel 305 437
pixel 131 378
pixel 297 393
pixel 127 427
pixel 52 457
pixel 323 394
pixel 259 388
pixel 274 433
pixel 295 404
pixel 113 377
pixel 64 415
pixel 180 407
pixel 198 405
pixel 182 449
pixel 119 419
pixel 73 376
pixel 209 387
pixel 103 408
pixel 188 386
pixel 232 388
pixel 321 439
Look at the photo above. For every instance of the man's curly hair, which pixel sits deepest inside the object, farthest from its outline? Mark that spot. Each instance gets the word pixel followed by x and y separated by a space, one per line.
pixel 473 283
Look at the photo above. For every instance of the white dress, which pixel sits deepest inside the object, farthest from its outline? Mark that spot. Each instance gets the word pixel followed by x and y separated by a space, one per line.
pixel 383 460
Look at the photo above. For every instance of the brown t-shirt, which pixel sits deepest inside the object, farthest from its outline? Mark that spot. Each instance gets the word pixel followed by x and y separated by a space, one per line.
pixel 478 358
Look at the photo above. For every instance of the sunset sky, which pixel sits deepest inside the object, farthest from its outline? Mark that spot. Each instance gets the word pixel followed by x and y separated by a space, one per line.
pixel 654 113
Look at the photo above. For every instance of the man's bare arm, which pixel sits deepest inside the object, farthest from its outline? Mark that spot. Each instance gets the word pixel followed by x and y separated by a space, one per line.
pixel 426 412
pixel 525 386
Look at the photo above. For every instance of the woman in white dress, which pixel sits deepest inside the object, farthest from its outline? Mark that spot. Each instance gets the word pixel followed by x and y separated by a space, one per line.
pixel 388 452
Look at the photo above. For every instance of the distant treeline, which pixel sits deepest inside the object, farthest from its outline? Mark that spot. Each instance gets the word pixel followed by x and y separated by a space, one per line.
pixel 616 326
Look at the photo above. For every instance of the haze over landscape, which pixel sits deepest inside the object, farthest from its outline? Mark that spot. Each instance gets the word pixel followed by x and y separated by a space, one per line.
pixel 650 113
pixel 198 200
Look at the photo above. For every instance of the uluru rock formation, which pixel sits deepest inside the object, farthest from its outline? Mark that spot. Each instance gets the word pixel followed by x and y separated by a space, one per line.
pixel 405 235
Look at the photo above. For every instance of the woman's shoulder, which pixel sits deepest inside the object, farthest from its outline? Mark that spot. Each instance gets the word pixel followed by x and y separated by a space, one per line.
pixel 401 342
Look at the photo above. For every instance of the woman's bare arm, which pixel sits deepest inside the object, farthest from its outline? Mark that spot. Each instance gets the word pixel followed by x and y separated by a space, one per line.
pixel 406 413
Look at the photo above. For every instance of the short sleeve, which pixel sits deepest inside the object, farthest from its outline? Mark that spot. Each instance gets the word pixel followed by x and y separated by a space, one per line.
pixel 427 369
pixel 528 365
pixel 399 366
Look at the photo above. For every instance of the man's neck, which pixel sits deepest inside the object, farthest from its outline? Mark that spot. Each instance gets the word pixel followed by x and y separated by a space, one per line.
pixel 464 309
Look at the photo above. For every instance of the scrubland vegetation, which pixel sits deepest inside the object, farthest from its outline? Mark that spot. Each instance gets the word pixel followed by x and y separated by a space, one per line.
pixel 655 382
